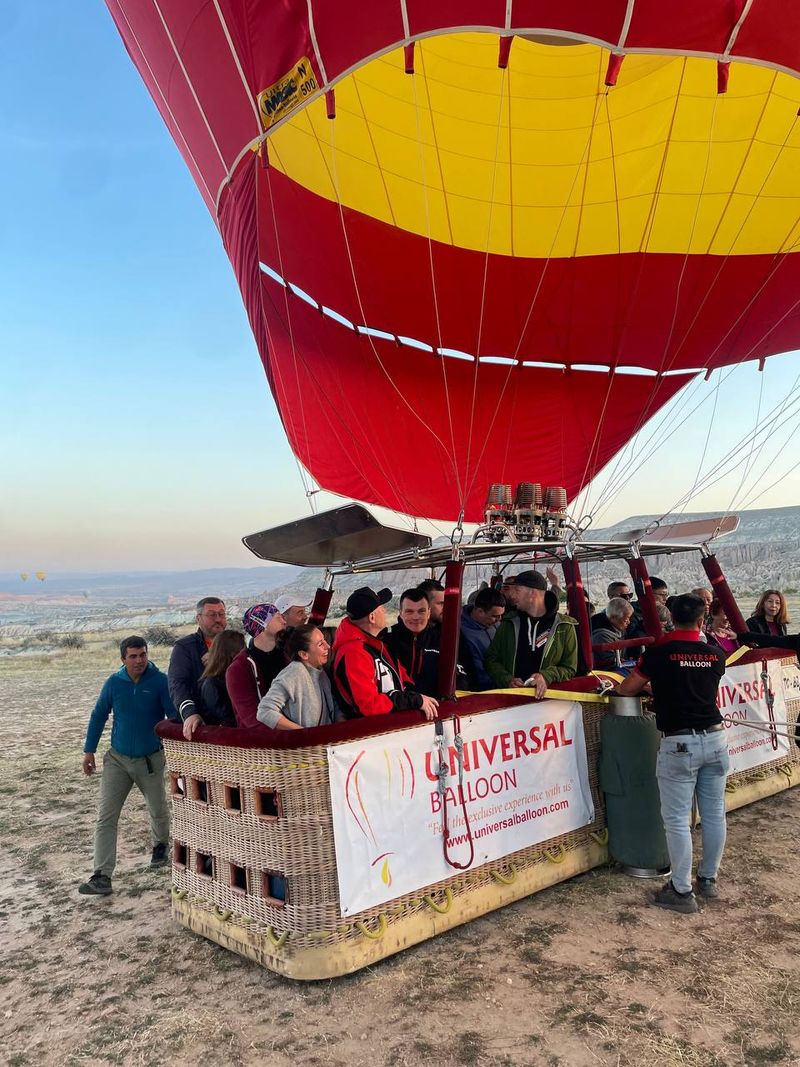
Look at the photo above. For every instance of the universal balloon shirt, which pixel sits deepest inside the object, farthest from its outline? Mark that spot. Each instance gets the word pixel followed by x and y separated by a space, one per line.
pixel 685 674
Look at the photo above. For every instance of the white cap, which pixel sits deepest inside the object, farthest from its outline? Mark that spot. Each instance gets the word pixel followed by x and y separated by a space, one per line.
pixel 283 603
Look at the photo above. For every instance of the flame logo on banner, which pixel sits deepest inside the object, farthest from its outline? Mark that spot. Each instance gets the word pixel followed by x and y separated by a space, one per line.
pixel 398 784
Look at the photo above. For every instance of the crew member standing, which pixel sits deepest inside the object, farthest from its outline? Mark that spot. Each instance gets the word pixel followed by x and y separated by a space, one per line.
pixel 684 674
pixel 138 698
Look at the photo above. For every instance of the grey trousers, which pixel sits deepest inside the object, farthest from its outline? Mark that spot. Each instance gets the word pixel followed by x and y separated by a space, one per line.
pixel 120 774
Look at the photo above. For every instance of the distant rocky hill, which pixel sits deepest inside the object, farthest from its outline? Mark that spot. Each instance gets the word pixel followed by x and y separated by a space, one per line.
pixel 764 552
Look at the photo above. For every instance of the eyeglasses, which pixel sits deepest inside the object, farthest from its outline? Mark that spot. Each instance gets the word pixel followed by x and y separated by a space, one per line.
pixel 625 596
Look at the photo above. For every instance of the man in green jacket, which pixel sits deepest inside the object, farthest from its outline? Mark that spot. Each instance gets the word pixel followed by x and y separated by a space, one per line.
pixel 536 646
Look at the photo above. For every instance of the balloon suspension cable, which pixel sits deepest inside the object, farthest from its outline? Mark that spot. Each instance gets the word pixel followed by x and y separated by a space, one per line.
pixel 440 745
pixel 431 267
pixel 618 478
pixel 535 295
pixel 457 536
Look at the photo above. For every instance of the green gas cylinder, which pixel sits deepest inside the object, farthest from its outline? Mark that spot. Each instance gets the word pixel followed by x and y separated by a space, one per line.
pixel 629 746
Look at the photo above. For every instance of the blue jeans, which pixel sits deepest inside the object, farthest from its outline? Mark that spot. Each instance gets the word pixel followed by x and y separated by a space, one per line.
pixel 685 765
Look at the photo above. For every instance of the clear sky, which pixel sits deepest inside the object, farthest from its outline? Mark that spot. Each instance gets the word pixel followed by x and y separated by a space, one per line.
pixel 138 431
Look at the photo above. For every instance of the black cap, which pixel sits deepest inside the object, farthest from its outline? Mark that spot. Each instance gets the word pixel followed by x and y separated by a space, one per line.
pixel 531 579
pixel 365 600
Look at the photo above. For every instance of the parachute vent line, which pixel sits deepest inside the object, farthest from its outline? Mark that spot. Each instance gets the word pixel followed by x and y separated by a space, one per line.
pixel 380 362
pixel 644 245
pixel 505 85
pixel 459 484
pixel 238 64
pixel 176 125
pixel 341 424
pixel 537 290
pixel 286 289
pixel 679 287
pixel 590 467
pixel 190 85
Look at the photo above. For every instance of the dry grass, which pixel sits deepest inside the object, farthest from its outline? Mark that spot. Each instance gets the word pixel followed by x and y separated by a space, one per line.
pixel 583 974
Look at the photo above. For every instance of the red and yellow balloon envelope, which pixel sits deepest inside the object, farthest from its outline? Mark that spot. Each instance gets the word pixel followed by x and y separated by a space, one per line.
pixel 490 265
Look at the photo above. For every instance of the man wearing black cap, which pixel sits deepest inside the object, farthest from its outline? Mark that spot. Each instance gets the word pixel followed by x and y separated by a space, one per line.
pixel 366 678
pixel 536 646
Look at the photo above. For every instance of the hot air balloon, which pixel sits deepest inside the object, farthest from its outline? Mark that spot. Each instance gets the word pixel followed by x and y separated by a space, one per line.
pixel 480 243
pixel 24 576
pixel 515 242
pixel 41 575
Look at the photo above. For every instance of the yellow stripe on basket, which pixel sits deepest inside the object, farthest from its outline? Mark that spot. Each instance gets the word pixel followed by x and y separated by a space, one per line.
pixel 545 162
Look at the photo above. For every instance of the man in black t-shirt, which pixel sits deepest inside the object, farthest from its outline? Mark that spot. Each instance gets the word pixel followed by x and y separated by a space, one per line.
pixel 684 674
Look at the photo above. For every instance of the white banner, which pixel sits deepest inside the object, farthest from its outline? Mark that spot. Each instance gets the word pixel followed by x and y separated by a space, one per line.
pixel 525 780
pixel 742 698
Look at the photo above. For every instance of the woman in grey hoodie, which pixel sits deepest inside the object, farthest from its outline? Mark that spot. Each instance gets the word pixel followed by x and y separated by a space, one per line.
pixel 301 694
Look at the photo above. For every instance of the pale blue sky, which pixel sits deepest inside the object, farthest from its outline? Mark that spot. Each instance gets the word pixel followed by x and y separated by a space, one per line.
pixel 138 429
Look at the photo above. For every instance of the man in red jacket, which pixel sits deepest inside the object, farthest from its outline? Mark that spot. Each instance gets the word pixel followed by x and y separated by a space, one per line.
pixel 367 679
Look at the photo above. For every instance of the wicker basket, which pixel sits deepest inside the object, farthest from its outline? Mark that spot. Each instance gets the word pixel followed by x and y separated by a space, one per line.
pixel 253 825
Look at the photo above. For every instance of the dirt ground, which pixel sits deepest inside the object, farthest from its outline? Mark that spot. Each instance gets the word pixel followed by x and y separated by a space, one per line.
pixel 585 973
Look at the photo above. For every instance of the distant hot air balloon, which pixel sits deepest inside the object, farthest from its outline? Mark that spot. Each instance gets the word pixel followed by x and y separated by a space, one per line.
pixel 41 575
pixel 474 257
pixel 24 576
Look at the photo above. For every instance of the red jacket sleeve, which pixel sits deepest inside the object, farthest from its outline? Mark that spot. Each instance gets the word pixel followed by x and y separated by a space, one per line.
pixel 354 673
pixel 241 685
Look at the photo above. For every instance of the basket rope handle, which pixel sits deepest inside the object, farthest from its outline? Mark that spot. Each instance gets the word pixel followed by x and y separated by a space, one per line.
pixel 276 942
pixel 441 909
pixel 505 879
pixel 557 854
pixel 374 935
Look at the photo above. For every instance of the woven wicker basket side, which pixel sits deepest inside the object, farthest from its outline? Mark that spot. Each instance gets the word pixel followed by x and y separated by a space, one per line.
pixel 242 816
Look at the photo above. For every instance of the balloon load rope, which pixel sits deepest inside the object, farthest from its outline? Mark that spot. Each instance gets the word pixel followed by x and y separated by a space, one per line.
pixel 440 744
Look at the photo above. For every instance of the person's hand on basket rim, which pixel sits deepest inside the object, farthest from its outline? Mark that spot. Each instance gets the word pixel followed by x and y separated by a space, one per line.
pixel 190 725
pixel 430 708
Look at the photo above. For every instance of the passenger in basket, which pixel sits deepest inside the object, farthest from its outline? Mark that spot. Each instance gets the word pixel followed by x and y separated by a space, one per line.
pixel 614 591
pixel 256 667
pixel 434 591
pixel 509 591
pixel 188 659
pixel 684 674
pixel 771 615
pixel 413 641
pixel 215 704
pixel 719 631
pixel 137 697
pixel 301 696
pixel 619 613
pixel 294 609
pixel 479 624
pixel 706 596
pixel 536 646
pixel 366 678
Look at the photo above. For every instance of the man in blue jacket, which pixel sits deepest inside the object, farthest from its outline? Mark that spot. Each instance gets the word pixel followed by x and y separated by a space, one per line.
pixel 138 697
pixel 478 626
